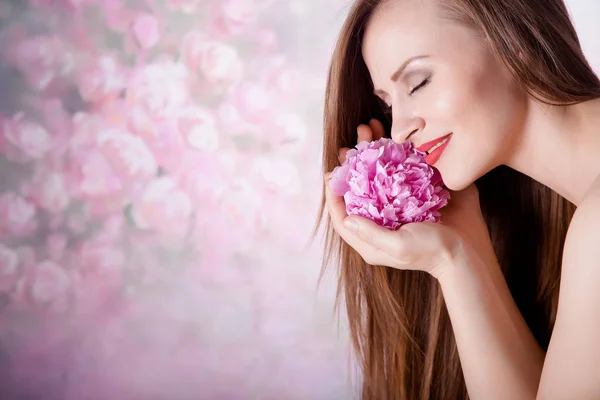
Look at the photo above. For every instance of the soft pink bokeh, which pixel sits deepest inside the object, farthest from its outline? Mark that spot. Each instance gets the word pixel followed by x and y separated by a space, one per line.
pixel 159 181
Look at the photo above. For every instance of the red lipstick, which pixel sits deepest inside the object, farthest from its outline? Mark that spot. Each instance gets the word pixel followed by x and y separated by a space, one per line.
pixel 434 148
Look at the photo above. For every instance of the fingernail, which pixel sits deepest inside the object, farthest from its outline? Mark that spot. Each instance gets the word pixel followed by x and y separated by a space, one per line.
pixel 351 225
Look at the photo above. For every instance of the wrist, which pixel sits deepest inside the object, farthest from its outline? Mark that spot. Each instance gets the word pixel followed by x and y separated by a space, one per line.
pixel 451 258
pixel 465 262
pixel 461 259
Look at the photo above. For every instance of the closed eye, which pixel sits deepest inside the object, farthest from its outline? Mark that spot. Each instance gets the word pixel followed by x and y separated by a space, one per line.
pixel 387 110
pixel 419 86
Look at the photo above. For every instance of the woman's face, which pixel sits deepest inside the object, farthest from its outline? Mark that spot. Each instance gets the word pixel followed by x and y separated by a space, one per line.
pixel 454 86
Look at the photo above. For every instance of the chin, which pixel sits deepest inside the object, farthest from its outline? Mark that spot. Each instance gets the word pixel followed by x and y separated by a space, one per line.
pixel 461 177
pixel 456 186
pixel 456 180
pixel 461 169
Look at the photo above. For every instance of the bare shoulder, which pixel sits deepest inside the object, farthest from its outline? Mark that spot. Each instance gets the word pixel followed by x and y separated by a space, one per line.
pixel 571 365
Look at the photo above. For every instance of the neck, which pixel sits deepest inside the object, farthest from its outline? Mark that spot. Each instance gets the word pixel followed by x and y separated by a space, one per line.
pixel 560 147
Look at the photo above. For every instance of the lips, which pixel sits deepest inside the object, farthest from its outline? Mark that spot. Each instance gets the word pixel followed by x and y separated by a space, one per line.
pixel 425 147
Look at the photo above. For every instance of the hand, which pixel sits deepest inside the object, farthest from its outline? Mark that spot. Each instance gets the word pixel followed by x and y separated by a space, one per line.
pixel 424 246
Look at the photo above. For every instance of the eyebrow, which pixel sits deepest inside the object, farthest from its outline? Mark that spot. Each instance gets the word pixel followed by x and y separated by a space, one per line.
pixel 399 72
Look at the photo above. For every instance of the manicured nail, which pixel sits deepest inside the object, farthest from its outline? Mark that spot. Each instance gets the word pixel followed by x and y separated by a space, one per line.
pixel 351 225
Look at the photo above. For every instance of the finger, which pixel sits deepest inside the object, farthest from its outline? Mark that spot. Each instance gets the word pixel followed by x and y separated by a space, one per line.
pixel 392 243
pixel 342 154
pixel 368 133
pixel 374 256
pixel 337 211
pixel 370 254
pixel 336 208
pixel 377 129
pixel 364 133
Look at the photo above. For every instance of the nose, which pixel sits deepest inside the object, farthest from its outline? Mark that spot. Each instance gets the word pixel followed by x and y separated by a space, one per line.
pixel 403 127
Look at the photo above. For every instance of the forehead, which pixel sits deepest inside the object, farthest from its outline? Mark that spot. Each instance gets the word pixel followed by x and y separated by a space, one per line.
pixel 400 29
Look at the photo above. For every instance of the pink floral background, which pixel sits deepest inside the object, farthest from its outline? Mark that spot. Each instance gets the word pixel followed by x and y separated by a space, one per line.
pixel 159 180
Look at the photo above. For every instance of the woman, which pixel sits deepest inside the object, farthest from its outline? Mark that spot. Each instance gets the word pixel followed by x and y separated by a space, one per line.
pixel 469 308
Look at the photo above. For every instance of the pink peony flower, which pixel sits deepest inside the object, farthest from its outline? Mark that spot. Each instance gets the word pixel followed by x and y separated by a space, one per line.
pixel 254 102
pixel 164 207
pixel 17 215
pixel 102 79
pixel 146 31
pixel 201 172
pixel 22 140
pixel 41 59
pixel 57 122
pixel 192 48
pixel 128 155
pixel 266 39
pixel 221 65
pixel 49 191
pixel 118 15
pixel 281 79
pixel 199 128
pixel 161 136
pixel 47 285
pixel 233 17
pixel 389 183
pixel 160 88
pixel 107 161
pixel 231 122
pixel 106 165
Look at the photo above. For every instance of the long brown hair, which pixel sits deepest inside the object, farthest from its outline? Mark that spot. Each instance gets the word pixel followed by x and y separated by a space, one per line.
pixel 399 325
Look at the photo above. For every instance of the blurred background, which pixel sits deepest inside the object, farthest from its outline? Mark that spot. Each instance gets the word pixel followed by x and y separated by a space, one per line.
pixel 160 176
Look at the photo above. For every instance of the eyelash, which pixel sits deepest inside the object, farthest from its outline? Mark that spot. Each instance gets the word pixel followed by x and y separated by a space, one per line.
pixel 388 109
pixel 419 86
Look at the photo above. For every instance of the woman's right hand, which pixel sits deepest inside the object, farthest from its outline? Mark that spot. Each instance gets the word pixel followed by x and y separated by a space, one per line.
pixel 425 246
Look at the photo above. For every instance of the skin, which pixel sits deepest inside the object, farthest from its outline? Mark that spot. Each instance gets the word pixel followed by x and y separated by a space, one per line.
pixel 493 122
pixel 473 96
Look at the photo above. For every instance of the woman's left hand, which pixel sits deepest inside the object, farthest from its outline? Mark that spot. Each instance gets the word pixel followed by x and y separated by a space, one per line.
pixel 425 246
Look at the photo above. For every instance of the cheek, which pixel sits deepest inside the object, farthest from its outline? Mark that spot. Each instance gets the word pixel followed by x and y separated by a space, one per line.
pixel 480 110
pixel 497 100
pixel 454 108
